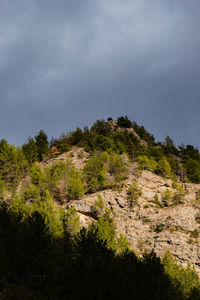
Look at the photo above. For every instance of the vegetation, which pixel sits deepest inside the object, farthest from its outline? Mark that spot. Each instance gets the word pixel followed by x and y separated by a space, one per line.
pixel 44 251
pixel 36 261
pixel 133 193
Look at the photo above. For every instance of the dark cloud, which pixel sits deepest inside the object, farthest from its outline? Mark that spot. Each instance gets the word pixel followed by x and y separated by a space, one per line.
pixel 64 64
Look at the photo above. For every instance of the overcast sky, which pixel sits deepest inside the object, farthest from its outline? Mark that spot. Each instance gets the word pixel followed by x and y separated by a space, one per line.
pixel 67 63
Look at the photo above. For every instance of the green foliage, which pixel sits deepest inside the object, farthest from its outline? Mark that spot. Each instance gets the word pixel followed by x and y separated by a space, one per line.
pixel 32 193
pixel 101 128
pixel 30 151
pixel 59 170
pixel 193 170
pixel 99 203
pixel 178 197
pixel 124 122
pixel 50 213
pixel 133 193
pixel 2 185
pixel 164 168
pixel 122 244
pixel 42 144
pixel 185 278
pixel 95 172
pixel 37 174
pixel 117 167
pixel 12 163
pixel 157 202
pixel 194 233
pixel 72 221
pixel 143 134
pixel 146 163
pixel 38 261
pixel 167 197
pixel 75 188
pixel 105 229
pixel 159 227
pixel 99 207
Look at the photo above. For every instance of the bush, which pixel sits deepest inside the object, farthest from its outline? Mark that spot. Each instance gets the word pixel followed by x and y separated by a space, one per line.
pixel 146 163
pixel 37 174
pixel 194 233
pixel 75 188
pixel 167 197
pixel 99 208
pixel 159 227
pixel 184 278
pixel 117 167
pixel 178 197
pixel 163 168
pixel 133 193
pixel 95 172
pixel 12 164
pixel 157 202
pixel 124 122
pixel 72 221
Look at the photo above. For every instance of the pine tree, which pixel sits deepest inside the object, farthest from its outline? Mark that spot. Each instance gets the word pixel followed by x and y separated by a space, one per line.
pixel 42 144
pixel 30 151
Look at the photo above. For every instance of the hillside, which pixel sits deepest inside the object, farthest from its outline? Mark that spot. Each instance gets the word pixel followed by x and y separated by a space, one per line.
pixel 110 192
pixel 160 225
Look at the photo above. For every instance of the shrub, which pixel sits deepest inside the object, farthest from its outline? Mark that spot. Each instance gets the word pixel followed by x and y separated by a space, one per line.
pixel 42 144
pixel 184 278
pixel 117 167
pixel 133 193
pixel 178 197
pixel 37 174
pixel 12 164
pixel 75 188
pixel 146 163
pixel 95 172
pixel 124 122
pixel 99 208
pixel 59 170
pixel 157 202
pixel 72 221
pixel 167 197
pixel 163 168
pixel 194 233
pixel 159 227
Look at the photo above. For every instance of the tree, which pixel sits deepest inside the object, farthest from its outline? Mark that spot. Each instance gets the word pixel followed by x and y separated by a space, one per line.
pixel 12 163
pixel 30 151
pixel 124 122
pixel 42 144
pixel 164 168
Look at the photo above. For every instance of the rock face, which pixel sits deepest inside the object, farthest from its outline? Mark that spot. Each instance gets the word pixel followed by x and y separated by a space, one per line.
pixel 146 224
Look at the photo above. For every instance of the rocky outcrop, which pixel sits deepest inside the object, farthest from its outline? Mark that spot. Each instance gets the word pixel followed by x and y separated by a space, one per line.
pixel 146 224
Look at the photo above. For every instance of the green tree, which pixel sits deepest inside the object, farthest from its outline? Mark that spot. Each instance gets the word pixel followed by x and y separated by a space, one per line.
pixel 147 163
pixel 95 172
pixel 42 144
pixel 124 122
pixel 133 193
pixel 12 163
pixel 30 151
pixel 117 166
pixel 164 167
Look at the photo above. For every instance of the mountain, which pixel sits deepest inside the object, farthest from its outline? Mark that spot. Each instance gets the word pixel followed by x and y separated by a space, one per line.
pixel 110 192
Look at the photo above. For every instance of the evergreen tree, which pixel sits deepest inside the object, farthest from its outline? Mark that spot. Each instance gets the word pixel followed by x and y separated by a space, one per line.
pixel 30 151
pixel 42 144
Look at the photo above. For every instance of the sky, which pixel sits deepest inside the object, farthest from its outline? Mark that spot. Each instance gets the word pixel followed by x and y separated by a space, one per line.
pixel 64 64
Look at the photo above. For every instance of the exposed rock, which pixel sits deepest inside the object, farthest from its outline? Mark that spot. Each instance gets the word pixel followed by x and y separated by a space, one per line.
pixel 146 225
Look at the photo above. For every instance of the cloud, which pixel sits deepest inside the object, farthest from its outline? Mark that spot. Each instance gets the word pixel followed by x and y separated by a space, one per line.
pixel 65 63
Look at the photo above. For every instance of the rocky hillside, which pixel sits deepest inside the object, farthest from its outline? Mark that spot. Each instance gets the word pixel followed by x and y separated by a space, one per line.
pixel 164 217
